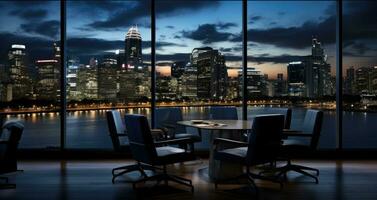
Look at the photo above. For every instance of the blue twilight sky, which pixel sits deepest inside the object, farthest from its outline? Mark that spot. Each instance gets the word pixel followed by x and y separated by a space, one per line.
pixel 278 31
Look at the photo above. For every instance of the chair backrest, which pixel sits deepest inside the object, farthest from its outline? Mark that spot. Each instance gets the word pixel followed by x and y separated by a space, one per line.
pixel 169 116
pixel 115 126
pixel 140 139
pixel 265 138
pixel 8 151
pixel 313 125
pixel 223 113
pixel 287 112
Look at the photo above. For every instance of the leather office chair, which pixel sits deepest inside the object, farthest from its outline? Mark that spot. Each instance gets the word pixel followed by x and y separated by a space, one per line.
pixel 262 147
pixel 8 150
pixel 223 113
pixel 144 150
pixel 117 130
pixel 287 112
pixel 311 130
pixel 167 118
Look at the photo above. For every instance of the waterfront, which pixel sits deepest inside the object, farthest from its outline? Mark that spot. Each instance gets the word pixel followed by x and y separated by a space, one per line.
pixel 88 129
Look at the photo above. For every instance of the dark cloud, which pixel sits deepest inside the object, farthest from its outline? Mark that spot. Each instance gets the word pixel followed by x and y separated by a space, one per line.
pixel 36 47
pixel 170 27
pixel 49 28
pixel 29 14
pixel 254 19
pixel 295 37
pixel 207 33
pixel 281 13
pixel 137 13
pixel 224 26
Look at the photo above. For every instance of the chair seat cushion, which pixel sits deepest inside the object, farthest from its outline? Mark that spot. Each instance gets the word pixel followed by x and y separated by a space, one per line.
pixel 169 155
pixel 293 148
pixel 193 137
pixel 232 155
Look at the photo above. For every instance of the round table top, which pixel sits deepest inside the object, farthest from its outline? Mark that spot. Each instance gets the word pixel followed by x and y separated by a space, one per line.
pixel 218 124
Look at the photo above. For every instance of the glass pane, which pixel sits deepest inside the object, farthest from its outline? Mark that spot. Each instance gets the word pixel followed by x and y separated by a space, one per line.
pixel 199 56
pixel 359 74
pixel 292 52
pixel 108 67
pixel 30 69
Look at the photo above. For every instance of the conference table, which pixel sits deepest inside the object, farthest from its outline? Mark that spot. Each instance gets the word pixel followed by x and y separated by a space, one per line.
pixel 231 129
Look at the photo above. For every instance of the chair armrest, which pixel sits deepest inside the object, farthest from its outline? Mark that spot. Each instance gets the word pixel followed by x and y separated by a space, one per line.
pixel 159 133
pixel 174 141
pixel 293 133
pixel 3 141
pixel 224 140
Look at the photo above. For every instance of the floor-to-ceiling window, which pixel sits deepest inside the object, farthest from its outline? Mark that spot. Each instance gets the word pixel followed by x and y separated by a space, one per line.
pixel 359 74
pixel 199 56
pixel 292 60
pixel 108 49
pixel 30 69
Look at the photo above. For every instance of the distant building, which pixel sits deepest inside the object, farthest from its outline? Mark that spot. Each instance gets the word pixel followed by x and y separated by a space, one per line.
pixel 18 74
pixel 189 83
pixel 311 77
pixel 178 68
pixel 107 80
pixel 296 79
pixel 212 74
pixel 349 81
pixel 48 81
pixel 133 49
pixel 280 85
pixel 87 81
pixel 256 83
pixel 72 69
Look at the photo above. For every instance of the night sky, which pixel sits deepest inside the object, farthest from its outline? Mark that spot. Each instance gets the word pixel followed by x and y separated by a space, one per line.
pixel 278 32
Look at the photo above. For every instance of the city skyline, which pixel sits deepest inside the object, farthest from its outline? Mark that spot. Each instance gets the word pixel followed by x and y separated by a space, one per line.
pixel 172 21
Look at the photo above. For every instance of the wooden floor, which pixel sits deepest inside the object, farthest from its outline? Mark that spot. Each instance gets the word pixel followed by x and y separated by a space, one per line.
pixel 341 180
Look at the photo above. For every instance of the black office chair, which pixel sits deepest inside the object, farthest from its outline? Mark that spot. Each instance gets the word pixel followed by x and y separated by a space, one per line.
pixel 117 130
pixel 144 150
pixel 262 147
pixel 167 118
pixel 287 112
pixel 223 113
pixel 8 150
pixel 311 130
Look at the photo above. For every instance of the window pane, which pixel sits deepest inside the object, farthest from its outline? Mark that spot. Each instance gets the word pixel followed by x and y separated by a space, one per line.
pixel 359 74
pixel 30 69
pixel 199 56
pixel 108 67
pixel 292 51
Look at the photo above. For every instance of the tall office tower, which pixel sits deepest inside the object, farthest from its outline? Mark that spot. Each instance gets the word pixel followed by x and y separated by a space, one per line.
pixel 212 73
pixel 373 80
pixel 107 80
pixel 72 69
pixel 318 74
pixel 87 81
pixel 57 55
pixel 18 74
pixel 133 54
pixel 166 88
pixel 189 83
pixel 296 78
pixel 349 81
pixel 279 85
pixel 233 88
pixel 362 80
pixel 256 83
pixel 48 82
pixel 5 86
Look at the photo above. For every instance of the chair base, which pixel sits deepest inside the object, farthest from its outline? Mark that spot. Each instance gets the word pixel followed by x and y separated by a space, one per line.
pixel 130 168
pixel 166 178
pixel 250 177
pixel 299 169
pixel 6 185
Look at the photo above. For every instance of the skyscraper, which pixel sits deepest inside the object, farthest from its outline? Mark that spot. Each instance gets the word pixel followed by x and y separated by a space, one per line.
pixel 133 53
pixel 212 73
pixel 349 81
pixel 296 78
pixel 107 79
pixel 48 85
pixel 18 74
pixel 256 83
